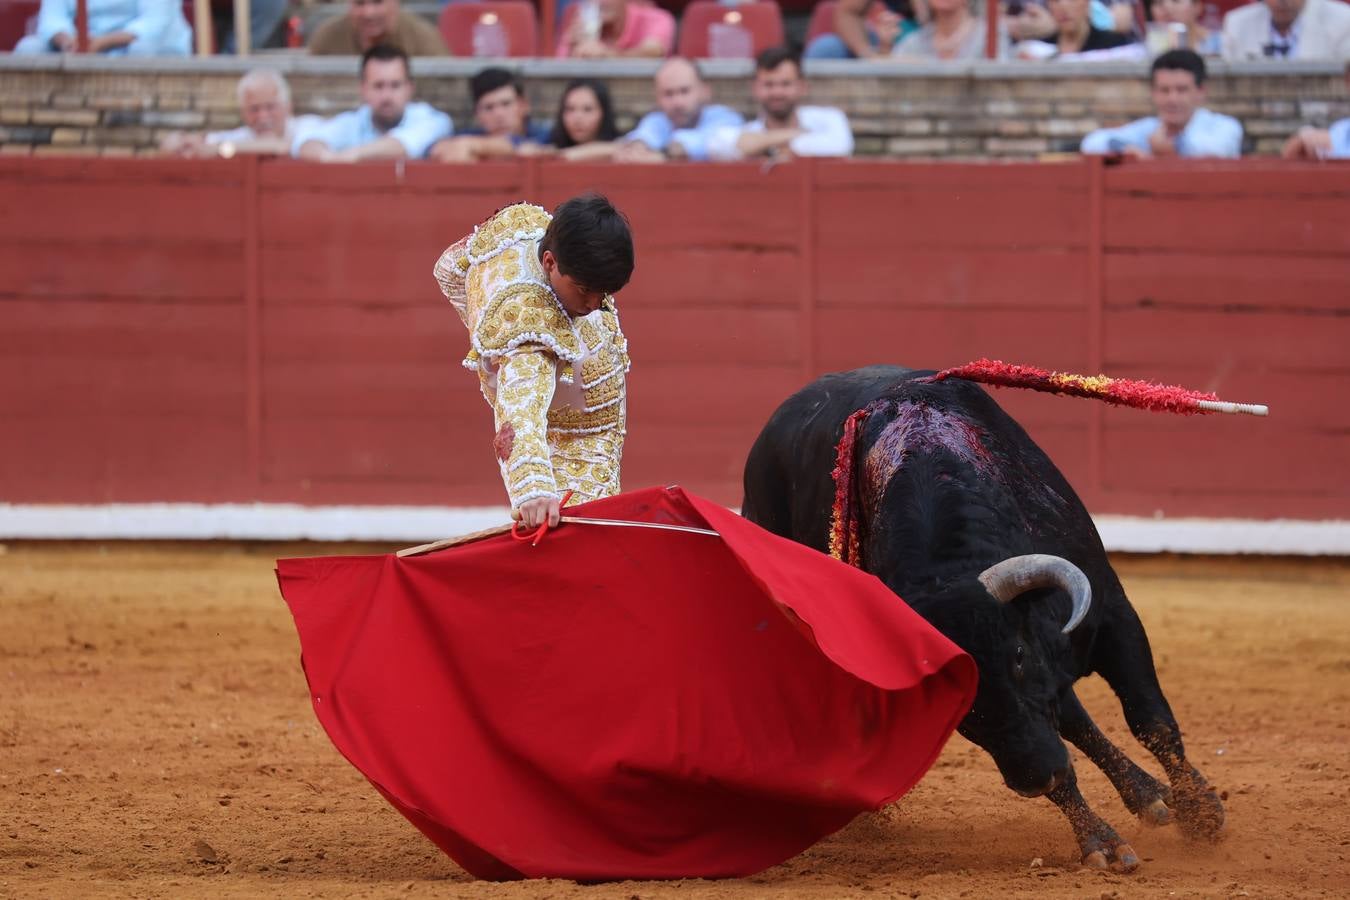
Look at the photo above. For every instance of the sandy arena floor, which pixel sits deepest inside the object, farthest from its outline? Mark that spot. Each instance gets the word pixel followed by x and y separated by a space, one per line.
pixel 156 741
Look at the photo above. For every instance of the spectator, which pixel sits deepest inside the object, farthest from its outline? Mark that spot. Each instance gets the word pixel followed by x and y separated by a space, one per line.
pixel 1182 126
pixel 388 125
pixel 784 126
pixel 952 32
pixel 604 29
pixel 1288 29
pixel 1321 143
pixel 1030 20
pixel 370 23
pixel 264 18
pixel 265 107
pixel 864 29
pixel 1188 13
pixel 1075 32
pixel 683 122
pixel 502 113
pixel 116 28
pixel 585 115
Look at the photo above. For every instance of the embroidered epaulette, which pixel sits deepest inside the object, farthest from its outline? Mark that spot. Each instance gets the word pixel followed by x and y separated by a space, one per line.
pixel 512 225
pixel 525 313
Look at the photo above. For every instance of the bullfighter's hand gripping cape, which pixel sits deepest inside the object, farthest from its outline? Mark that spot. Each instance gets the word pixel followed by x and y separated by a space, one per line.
pixel 625 702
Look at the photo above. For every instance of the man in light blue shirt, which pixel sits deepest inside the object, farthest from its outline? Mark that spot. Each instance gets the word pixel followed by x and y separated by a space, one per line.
pixel 1182 126
pixel 387 126
pixel 680 128
pixel 116 28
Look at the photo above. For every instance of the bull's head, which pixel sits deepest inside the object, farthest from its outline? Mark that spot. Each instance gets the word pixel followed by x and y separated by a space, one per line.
pixel 1002 619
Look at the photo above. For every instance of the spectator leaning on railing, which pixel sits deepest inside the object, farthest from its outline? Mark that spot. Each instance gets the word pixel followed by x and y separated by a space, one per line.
pixel 1288 29
pixel 784 127
pixel 116 28
pixel 265 108
pixel 684 121
pixel 605 29
pixel 503 127
pixel 388 125
pixel 1182 126
pixel 1321 143
pixel 585 116
pixel 369 23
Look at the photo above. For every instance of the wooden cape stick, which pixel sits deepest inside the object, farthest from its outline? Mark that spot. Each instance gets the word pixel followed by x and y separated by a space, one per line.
pixel 565 520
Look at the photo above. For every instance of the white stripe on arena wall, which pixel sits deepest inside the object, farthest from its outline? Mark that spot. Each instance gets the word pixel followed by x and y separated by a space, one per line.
pixel 284 522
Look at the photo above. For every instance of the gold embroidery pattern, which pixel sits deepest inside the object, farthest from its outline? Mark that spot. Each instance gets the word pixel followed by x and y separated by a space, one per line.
pixel 558 383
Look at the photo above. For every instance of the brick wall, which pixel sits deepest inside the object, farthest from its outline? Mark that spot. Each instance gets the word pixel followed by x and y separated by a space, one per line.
pixel 1009 110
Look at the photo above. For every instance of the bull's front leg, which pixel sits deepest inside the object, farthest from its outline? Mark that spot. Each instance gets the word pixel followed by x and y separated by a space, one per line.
pixel 1125 660
pixel 1101 847
pixel 1143 794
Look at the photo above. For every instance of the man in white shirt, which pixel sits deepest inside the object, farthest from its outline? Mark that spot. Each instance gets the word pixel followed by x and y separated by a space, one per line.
pixel 265 107
pixel 784 128
pixel 389 125
pixel 1288 29
pixel 1182 127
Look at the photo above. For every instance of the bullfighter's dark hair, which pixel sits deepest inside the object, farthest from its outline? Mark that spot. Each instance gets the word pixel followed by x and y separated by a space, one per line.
pixel 492 79
pixel 592 242
pixel 385 53
pixel 1180 61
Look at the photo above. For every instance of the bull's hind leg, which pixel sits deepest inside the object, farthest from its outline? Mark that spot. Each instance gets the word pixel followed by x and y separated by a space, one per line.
pixel 1124 659
pixel 1143 794
pixel 1100 845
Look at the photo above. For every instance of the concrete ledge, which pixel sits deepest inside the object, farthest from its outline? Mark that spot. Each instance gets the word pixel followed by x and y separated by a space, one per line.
pixel 264 521
pixel 300 62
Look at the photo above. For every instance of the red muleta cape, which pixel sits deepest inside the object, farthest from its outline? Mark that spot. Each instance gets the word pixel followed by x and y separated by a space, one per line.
pixel 623 702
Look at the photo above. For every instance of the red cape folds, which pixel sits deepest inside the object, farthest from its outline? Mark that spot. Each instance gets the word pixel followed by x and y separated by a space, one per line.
pixel 625 702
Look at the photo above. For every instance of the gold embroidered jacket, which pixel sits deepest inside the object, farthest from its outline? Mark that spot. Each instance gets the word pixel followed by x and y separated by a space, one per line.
pixel 557 385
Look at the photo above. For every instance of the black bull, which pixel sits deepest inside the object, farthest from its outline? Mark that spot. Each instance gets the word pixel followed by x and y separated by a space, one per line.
pixel 948 486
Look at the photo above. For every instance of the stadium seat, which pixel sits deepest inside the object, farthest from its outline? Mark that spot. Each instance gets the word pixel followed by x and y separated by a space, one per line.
pixel 822 20
pixel 763 21
pixel 516 19
pixel 14 18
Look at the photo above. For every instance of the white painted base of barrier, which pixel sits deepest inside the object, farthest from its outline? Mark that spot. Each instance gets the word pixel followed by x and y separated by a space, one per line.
pixel 282 522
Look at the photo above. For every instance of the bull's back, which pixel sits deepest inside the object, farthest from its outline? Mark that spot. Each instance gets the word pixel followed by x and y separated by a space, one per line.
pixel 789 488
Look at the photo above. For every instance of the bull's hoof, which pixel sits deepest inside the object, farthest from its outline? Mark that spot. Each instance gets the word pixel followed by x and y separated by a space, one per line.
pixel 1118 857
pixel 1199 814
pixel 1155 814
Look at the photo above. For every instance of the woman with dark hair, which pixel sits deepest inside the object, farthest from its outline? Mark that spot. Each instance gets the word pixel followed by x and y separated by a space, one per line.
pixel 585 115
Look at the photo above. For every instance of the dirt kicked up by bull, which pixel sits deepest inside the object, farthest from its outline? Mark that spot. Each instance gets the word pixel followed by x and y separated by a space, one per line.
pixel 941 494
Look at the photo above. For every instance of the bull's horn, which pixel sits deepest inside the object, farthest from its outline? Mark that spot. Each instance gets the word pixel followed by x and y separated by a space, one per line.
pixel 1016 575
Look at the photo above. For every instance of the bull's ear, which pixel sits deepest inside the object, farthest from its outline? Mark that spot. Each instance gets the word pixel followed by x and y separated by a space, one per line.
pixel 1010 579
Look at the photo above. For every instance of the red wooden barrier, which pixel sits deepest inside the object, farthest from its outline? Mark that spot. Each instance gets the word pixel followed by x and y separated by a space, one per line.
pixel 238 331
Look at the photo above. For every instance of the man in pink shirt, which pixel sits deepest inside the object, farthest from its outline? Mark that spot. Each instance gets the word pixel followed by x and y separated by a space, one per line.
pixel 612 28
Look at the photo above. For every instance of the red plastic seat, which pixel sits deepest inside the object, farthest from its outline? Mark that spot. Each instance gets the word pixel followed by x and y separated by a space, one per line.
pixel 764 21
pixel 822 20
pixel 516 17
pixel 14 18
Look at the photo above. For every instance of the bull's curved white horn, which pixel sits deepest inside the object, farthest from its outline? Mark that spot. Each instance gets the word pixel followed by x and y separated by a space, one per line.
pixel 1016 575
